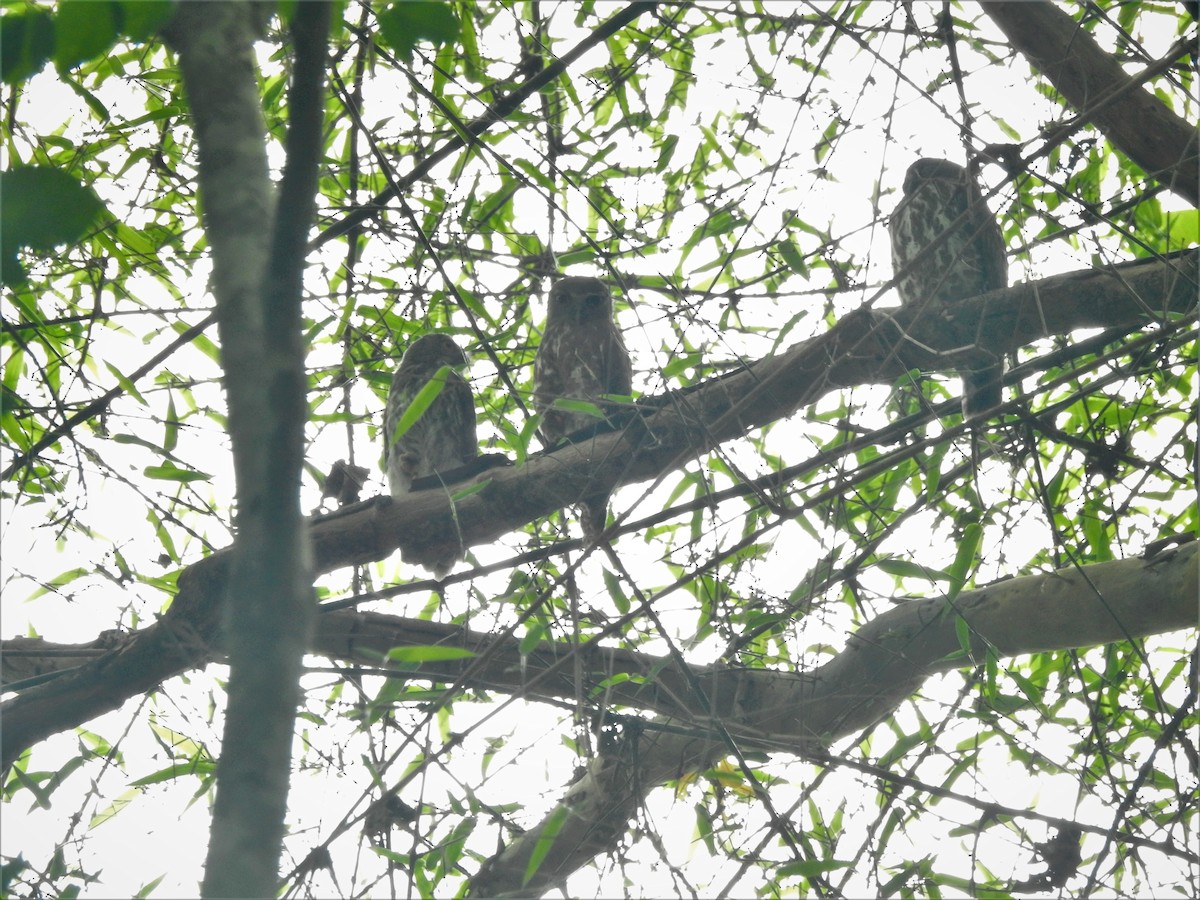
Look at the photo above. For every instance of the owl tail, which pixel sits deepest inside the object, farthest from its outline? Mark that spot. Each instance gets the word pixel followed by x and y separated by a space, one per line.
pixel 437 561
pixel 981 390
pixel 593 516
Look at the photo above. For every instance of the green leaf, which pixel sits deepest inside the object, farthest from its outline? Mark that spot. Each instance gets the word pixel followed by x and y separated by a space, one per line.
pixel 26 42
pixel 579 406
pixel 964 559
pixel 122 801
pixel 141 19
pixel 126 383
pixel 41 797
pixel 545 841
pixel 793 257
pixel 95 104
pixel 665 152
pixel 195 765
pixel 615 592
pixel 123 438
pixel 147 889
pixel 421 402
pixel 810 867
pixel 1183 227
pixel 133 239
pixel 83 30
pixel 535 633
pixel 58 581
pixel 163 535
pixel 903 568
pixel 170 472
pixel 171 426
pixel 963 632
pixel 429 653
pixel 43 207
pixel 1031 690
pixel 403 25
pixel 463 493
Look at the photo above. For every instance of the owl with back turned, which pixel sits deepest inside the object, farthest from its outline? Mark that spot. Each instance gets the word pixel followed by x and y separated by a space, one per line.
pixel 968 261
pixel 581 357
pixel 443 437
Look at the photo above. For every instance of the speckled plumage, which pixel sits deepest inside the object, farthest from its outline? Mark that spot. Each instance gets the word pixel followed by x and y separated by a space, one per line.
pixel 969 261
pixel 443 438
pixel 581 357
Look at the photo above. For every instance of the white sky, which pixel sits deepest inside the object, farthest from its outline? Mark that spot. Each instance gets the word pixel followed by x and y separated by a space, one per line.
pixel 164 829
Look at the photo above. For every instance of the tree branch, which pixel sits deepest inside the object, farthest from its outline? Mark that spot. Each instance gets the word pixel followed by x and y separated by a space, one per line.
pixel 498 111
pixel 882 665
pixel 862 348
pixel 1136 121
pixel 258 264
pixel 764 710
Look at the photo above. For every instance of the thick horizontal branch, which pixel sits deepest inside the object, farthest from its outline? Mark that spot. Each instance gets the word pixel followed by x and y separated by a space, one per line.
pixel 884 663
pixel 864 347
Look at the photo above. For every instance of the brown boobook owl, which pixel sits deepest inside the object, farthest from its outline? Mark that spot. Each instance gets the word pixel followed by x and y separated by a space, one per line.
pixel 443 437
pixel 970 260
pixel 581 357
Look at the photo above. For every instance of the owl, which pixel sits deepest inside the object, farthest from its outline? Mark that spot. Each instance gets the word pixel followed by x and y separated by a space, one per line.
pixel 581 357
pixel 443 437
pixel 969 261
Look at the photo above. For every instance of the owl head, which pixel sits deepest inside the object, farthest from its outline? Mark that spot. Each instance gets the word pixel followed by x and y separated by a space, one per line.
pixel 927 169
pixel 432 351
pixel 579 299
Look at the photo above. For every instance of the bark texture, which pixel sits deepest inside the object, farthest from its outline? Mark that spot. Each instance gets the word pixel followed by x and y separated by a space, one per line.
pixel 860 349
pixel 258 265
pixel 1093 82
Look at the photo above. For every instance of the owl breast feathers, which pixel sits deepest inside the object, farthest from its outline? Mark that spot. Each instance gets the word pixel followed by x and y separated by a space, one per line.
pixel 946 247
pixel 443 437
pixel 581 357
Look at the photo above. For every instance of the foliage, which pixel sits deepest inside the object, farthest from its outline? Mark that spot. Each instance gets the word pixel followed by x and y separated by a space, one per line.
pixel 729 169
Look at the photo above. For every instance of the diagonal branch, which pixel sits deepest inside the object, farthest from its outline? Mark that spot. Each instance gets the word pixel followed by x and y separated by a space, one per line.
pixel 1136 121
pixel 101 403
pixel 496 113
pixel 501 109
pixel 864 347
pixel 884 663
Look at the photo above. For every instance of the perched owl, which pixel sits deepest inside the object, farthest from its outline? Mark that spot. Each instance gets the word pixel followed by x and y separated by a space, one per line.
pixel 968 262
pixel 443 438
pixel 581 357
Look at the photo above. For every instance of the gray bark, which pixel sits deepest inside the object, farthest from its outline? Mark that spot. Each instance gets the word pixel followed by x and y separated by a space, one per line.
pixel 1137 122
pixel 857 350
pixel 258 256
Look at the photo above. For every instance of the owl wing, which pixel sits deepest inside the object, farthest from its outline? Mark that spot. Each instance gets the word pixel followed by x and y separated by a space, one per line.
pixel 459 405
pixel 578 362
pixel 400 457
pixel 616 365
pixel 442 439
pixel 552 374
pixel 988 241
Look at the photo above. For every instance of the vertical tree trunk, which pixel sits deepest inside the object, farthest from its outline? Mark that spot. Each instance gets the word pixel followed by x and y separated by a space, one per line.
pixel 258 256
